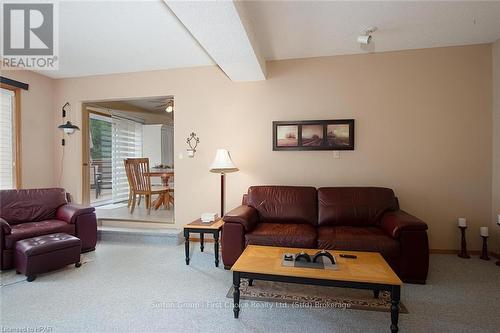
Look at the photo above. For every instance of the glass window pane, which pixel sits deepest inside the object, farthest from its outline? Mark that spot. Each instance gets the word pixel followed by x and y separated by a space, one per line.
pixel 7 142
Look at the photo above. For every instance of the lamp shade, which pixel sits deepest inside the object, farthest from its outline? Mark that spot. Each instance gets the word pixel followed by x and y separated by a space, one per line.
pixel 222 162
pixel 68 128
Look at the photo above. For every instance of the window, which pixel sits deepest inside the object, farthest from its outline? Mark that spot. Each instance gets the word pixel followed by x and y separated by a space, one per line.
pixel 9 138
pixel 126 143
pixel 100 145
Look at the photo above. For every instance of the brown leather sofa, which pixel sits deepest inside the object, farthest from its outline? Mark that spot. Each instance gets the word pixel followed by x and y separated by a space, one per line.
pixel 341 218
pixel 36 212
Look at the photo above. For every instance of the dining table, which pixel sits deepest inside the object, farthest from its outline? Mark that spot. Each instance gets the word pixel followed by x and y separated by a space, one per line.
pixel 165 174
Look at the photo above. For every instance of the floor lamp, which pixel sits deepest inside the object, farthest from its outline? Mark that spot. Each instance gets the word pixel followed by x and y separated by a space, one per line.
pixel 222 164
pixel 498 224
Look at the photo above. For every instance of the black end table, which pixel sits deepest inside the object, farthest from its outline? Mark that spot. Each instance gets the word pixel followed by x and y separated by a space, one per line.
pixel 203 228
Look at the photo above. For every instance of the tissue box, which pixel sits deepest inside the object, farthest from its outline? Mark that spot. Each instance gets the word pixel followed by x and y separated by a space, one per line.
pixel 208 217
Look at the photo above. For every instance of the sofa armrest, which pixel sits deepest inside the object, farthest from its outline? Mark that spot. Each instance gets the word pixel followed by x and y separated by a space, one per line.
pixel 5 227
pixel 394 223
pixel 70 212
pixel 245 215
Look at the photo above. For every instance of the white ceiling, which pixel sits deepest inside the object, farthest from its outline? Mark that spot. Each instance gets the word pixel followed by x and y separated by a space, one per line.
pixel 103 37
pixel 301 29
pixel 154 104
pixel 220 30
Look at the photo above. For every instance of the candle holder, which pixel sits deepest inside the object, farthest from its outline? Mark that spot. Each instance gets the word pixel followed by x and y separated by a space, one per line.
pixel 484 253
pixel 463 252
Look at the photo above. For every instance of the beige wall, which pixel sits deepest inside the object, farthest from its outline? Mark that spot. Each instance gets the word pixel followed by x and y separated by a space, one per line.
pixel 423 127
pixel 496 147
pixel 37 129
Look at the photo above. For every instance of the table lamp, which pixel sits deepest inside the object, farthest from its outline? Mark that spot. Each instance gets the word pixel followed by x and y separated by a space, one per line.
pixel 222 164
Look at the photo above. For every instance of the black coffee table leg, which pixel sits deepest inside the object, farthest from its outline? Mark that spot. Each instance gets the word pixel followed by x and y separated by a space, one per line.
pixel 236 294
pixel 216 248
pixel 186 245
pixel 395 296
pixel 376 293
pixel 201 242
pixel 250 282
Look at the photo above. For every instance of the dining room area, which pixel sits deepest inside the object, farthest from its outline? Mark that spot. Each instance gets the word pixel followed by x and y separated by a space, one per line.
pixel 151 194
pixel 130 174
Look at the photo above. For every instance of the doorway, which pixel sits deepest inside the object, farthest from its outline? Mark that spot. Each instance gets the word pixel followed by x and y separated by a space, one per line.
pixel 129 130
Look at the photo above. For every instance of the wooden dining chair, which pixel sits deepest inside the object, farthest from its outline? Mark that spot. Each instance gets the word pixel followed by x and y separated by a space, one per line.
pixel 131 190
pixel 141 183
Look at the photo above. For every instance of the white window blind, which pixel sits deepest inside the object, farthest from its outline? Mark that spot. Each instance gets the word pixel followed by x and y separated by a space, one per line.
pixel 168 145
pixel 127 143
pixel 7 160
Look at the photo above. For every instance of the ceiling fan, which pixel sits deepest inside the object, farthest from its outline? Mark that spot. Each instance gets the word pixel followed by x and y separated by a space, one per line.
pixel 168 106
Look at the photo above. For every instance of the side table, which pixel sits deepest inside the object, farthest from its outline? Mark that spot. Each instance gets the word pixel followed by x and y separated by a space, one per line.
pixel 203 228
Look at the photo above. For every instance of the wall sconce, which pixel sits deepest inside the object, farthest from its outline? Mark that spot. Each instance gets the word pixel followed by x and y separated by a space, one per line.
pixel 68 127
pixel 192 139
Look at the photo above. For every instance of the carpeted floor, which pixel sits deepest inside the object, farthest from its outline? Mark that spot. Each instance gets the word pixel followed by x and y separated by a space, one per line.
pixel 139 288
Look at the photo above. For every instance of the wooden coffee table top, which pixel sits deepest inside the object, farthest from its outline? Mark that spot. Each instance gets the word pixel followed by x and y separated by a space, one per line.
pixel 369 267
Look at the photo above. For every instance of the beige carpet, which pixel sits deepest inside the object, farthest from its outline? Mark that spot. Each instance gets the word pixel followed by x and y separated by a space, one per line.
pixel 136 288
pixel 305 296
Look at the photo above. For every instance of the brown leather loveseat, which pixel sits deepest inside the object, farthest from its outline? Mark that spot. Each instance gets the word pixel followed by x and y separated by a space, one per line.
pixel 35 212
pixel 341 218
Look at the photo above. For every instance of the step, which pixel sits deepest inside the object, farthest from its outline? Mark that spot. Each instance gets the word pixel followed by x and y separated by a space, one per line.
pixel 160 236
pixel 135 224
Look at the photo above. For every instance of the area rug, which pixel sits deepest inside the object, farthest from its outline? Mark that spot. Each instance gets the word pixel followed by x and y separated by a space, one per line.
pixel 296 295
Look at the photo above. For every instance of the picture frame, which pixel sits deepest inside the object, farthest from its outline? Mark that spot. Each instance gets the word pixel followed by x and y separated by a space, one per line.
pixel 337 134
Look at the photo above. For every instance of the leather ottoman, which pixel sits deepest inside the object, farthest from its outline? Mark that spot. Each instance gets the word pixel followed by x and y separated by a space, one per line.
pixel 46 253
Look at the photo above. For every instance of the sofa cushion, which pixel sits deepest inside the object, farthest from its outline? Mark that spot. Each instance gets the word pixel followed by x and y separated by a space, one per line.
pixel 282 234
pixel 369 239
pixel 354 206
pixel 19 206
pixel 284 204
pixel 34 229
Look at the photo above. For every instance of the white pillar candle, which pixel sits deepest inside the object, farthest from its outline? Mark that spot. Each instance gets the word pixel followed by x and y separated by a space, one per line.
pixel 484 231
pixel 462 222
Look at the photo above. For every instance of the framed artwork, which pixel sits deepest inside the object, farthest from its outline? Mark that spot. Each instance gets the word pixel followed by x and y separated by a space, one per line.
pixel 314 135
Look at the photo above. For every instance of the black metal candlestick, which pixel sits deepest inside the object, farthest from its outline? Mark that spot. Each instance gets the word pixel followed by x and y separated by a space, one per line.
pixel 484 253
pixel 463 252
pixel 498 223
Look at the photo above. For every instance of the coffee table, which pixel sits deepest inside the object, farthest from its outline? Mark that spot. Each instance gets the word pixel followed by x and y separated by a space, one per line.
pixel 368 271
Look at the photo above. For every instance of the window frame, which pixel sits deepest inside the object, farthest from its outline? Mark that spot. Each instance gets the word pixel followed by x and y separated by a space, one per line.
pixel 17 134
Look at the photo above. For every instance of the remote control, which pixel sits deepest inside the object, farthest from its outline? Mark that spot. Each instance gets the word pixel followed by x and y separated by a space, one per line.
pixel 348 256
